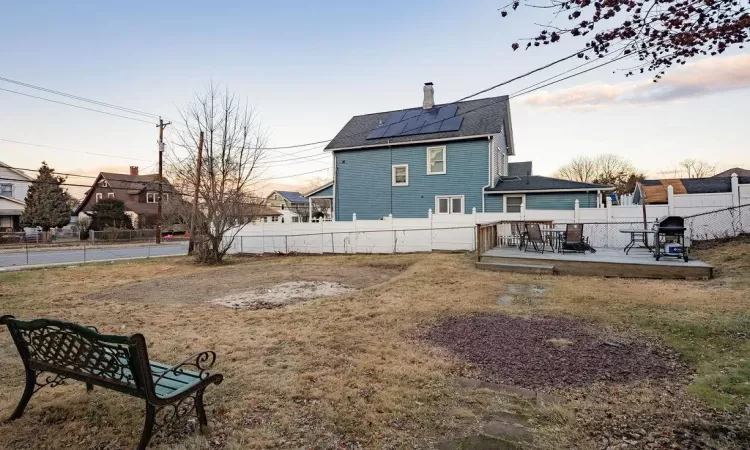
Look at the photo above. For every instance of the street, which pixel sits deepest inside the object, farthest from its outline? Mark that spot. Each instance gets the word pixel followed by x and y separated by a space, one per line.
pixel 85 254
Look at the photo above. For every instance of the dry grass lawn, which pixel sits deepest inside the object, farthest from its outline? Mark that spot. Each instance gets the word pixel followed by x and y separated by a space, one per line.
pixel 352 371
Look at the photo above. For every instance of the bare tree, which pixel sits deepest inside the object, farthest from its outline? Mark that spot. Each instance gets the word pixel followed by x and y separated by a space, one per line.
pixel 608 168
pixel 581 168
pixel 693 168
pixel 232 152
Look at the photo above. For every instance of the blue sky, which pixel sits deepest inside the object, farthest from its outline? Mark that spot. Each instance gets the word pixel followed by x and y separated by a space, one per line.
pixel 307 67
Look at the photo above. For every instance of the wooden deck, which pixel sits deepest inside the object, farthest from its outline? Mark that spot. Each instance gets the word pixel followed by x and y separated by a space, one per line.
pixel 606 262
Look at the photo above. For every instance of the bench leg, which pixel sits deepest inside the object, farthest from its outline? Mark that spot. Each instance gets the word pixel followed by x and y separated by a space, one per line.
pixel 201 411
pixel 148 427
pixel 27 393
pixel 89 387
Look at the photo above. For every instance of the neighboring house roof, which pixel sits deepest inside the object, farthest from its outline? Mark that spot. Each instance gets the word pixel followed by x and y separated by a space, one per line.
pixel 264 211
pixel 655 191
pixel 480 118
pixel 319 188
pixel 539 183
pixel 519 169
pixel 728 173
pixel 292 196
pixel 129 185
pixel 16 171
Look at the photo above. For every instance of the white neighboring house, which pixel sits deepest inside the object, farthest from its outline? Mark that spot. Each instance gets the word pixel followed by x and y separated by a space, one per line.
pixel 14 185
pixel 292 205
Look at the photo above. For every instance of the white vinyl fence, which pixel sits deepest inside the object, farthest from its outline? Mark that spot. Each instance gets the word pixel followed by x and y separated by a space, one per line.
pixel 458 232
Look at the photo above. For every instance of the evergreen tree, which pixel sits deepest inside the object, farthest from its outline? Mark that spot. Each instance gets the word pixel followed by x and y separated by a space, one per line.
pixel 109 213
pixel 47 203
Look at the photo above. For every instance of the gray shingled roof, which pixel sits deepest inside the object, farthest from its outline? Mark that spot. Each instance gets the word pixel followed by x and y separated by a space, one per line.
pixel 481 117
pixel 519 169
pixel 703 185
pixel 739 171
pixel 539 183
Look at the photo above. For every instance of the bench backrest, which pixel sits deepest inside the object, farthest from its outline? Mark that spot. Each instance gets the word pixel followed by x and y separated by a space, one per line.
pixel 80 352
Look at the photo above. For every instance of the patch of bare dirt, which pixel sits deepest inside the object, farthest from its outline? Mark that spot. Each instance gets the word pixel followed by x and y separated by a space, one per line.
pixel 282 294
pixel 240 280
pixel 551 352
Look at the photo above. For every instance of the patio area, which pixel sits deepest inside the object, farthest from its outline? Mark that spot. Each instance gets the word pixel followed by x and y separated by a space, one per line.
pixel 606 262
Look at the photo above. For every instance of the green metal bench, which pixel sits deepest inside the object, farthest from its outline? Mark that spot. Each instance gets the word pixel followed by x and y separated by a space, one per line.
pixel 54 352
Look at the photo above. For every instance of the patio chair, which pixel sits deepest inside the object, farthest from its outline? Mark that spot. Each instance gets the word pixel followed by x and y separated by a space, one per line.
pixel 518 233
pixel 535 238
pixel 574 241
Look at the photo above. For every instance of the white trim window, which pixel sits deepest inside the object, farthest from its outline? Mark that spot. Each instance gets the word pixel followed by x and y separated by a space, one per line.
pixel 400 175
pixel 436 160
pixel 105 183
pixel 449 204
pixel 98 197
pixel 110 195
pixel 151 197
pixel 6 190
pixel 513 203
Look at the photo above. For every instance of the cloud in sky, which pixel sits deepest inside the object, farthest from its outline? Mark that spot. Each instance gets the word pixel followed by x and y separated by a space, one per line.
pixel 701 78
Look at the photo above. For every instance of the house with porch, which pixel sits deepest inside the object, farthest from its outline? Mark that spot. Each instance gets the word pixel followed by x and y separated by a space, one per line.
pixel 14 184
pixel 292 205
pixel 449 158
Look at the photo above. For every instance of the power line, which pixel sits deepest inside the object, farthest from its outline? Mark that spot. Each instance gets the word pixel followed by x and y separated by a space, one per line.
pixel 76 106
pixel 83 99
pixel 71 150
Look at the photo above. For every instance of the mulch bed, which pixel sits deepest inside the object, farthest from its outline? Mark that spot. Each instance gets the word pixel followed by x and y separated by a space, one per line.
pixel 551 352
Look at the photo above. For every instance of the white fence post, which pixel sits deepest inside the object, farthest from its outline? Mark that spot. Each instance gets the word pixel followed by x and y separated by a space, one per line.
pixel 735 190
pixel 609 217
pixel 262 238
pixel 429 216
pixel 577 212
pixel 523 210
pixel 390 219
pixel 670 200
pixel 354 227
pixel 474 235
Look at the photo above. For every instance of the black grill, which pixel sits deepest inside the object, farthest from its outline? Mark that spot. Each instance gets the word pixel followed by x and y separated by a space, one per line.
pixel 670 230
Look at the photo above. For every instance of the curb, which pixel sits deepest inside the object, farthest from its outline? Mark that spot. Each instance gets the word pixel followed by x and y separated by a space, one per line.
pixel 75 264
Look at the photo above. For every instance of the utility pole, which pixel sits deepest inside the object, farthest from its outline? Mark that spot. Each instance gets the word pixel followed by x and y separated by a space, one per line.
pixel 195 197
pixel 161 127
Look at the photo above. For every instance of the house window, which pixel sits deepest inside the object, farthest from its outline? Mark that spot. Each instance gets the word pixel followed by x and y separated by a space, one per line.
pixel 400 175
pixel 275 219
pixel 166 197
pixel 295 219
pixel 513 203
pixel 98 197
pixel 282 206
pixel 435 160
pixel 449 204
pixel 6 190
pixel 110 195
pixel 151 197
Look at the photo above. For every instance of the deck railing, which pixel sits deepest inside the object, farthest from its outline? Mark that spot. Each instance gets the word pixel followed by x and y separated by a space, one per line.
pixel 486 237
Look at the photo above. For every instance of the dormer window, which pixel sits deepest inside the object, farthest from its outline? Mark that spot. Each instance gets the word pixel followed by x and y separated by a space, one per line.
pixel 105 184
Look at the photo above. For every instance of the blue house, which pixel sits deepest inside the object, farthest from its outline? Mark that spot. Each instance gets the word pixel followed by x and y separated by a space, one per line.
pixel 449 158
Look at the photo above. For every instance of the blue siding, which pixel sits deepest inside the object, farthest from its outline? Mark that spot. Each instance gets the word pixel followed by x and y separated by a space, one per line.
pixel 363 180
pixel 560 200
pixel 327 192
pixel 493 203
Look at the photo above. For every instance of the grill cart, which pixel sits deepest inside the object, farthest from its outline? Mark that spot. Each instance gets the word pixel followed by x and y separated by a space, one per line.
pixel 669 238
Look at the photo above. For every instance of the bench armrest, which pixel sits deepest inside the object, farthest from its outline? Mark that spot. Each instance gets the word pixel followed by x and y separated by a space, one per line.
pixel 201 362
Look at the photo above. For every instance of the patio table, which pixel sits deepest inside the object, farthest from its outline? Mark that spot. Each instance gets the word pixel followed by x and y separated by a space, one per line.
pixel 555 237
pixel 635 235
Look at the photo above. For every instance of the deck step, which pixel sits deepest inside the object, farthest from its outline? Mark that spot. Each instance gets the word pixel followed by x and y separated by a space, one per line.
pixel 517 268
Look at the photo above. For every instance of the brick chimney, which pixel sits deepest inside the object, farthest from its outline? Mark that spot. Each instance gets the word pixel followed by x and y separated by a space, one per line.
pixel 429 96
pixel 134 170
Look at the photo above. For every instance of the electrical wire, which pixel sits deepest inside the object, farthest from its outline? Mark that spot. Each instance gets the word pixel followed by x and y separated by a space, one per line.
pixel 77 106
pixel 74 151
pixel 83 99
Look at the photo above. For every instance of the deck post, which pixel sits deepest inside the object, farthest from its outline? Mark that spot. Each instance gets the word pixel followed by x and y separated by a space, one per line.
pixel 577 212
pixel 479 243
pixel 670 200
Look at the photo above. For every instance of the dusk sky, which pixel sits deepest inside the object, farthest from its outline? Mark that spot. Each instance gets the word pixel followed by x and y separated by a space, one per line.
pixel 307 67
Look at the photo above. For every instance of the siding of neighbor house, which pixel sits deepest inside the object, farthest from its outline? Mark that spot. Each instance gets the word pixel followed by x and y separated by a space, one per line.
pixel 363 180
pixel 561 200
pixel 327 192
pixel 493 203
pixel 20 188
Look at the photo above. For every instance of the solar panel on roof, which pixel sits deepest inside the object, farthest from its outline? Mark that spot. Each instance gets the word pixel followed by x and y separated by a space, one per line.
pixel 418 121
